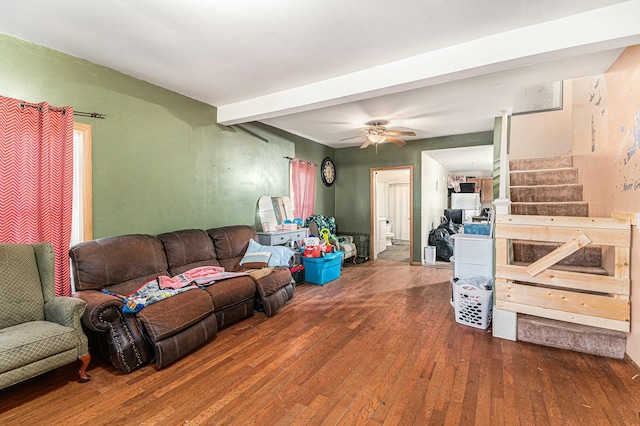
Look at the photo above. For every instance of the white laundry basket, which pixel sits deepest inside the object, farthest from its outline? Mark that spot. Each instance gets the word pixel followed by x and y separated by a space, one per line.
pixel 473 301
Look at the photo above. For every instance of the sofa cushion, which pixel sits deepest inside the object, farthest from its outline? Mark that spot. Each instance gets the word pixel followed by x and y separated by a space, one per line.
pixel 277 279
pixel 188 249
pixel 174 314
pixel 33 341
pixel 122 264
pixel 272 303
pixel 20 288
pixel 168 350
pixel 255 260
pixel 280 255
pixel 230 292
pixel 231 243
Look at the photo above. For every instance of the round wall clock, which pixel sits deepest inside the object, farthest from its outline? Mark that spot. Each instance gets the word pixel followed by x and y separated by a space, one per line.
pixel 328 171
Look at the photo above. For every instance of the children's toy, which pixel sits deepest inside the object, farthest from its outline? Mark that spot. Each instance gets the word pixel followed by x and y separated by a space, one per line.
pixel 312 251
pixel 325 234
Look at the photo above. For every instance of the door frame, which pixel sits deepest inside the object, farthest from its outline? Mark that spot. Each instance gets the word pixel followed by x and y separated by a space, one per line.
pixel 374 219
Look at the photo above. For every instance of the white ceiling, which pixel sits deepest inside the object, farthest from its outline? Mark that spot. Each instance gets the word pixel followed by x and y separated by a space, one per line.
pixel 322 70
pixel 469 159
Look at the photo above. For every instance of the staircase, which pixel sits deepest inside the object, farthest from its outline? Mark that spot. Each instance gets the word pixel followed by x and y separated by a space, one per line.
pixel 546 187
pixel 550 187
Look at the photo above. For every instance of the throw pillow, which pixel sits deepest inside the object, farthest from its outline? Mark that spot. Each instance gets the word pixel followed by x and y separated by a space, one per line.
pixel 280 255
pixel 255 260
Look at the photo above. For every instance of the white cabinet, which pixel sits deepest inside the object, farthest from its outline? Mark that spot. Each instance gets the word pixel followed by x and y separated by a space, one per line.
pixel 465 201
pixel 472 255
pixel 282 237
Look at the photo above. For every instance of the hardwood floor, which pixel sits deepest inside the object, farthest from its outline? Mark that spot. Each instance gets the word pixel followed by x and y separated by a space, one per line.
pixel 378 346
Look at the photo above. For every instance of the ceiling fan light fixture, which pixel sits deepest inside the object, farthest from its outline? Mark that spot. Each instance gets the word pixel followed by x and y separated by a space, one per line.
pixel 377 138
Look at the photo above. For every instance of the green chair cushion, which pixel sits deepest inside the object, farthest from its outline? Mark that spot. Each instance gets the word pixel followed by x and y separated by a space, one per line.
pixel 21 296
pixel 25 343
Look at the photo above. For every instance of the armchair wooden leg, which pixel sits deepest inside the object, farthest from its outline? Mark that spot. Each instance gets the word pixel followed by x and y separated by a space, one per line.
pixel 85 359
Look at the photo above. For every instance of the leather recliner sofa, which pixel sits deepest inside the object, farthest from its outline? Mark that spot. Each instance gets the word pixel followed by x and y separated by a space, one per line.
pixel 172 327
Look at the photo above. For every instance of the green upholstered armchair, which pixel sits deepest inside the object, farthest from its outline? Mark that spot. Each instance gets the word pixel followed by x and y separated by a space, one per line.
pixel 343 242
pixel 38 331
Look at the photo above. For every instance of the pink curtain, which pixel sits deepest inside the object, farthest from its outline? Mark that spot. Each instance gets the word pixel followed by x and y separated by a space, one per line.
pixel 303 187
pixel 36 178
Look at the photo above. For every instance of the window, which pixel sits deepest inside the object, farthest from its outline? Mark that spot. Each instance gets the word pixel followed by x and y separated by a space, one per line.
pixel 82 222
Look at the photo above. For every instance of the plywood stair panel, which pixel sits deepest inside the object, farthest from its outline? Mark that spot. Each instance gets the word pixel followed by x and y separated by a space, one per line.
pixel 551 187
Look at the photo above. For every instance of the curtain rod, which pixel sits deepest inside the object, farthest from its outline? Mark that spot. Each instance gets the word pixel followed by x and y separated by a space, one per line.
pixel 291 159
pixel 64 111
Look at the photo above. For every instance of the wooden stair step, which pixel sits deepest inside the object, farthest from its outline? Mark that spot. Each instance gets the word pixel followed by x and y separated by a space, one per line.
pixel 544 177
pixel 575 337
pixel 547 193
pixel 541 163
pixel 572 208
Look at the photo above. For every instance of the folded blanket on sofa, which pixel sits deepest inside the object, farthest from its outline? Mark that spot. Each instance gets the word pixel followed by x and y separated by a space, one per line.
pixel 144 296
pixel 163 286
pixel 201 276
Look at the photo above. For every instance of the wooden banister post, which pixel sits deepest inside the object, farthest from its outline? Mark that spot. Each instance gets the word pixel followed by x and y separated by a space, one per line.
pixel 504 322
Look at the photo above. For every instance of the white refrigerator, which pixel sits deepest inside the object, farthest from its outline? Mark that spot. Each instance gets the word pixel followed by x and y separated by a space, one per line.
pixel 468 202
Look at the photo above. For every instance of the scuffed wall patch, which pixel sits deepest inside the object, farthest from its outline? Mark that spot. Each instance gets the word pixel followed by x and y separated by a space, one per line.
pixel 626 159
pixel 597 101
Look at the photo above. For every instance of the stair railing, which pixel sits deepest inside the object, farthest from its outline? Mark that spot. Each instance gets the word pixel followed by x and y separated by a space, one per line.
pixel 581 298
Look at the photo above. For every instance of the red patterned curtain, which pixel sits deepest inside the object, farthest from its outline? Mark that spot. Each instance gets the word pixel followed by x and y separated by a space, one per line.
pixel 36 178
pixel 303 187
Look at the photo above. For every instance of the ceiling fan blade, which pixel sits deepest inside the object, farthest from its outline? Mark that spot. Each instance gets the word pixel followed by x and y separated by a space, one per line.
pixel 353 137
pixel 402 133
pixel 396 141
pixel 366 144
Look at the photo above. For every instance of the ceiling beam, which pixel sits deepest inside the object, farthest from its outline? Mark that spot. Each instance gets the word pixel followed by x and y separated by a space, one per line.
pixel 594 31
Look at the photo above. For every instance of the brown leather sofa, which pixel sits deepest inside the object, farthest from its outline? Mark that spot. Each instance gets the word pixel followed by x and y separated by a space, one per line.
pixel 169 329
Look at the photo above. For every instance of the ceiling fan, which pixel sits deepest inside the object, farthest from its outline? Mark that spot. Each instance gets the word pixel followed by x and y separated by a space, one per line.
pixel 376 134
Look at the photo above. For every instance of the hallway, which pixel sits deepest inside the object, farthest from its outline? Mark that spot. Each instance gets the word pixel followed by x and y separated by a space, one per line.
pixel 398 252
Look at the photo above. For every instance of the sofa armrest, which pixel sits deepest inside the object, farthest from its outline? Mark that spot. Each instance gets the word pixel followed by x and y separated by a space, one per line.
pixel 102 309
pixel 120 338
pixel 348 237
pixel 68 311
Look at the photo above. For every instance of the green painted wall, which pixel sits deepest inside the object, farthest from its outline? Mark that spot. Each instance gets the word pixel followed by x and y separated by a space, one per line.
pixel 353 200
pixel 160 161
pixel 315 153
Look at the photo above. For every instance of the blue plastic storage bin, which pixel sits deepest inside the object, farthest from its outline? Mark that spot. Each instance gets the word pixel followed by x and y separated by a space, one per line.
pixel 477 228
pixel 321 270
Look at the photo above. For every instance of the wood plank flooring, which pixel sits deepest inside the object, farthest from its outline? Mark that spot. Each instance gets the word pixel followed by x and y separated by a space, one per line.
pixel 379 346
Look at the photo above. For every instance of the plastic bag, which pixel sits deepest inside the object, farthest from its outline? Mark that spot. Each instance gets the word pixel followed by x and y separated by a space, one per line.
pixel 441 240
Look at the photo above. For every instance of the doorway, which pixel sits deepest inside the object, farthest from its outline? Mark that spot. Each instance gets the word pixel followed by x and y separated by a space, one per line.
pixel 392 213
